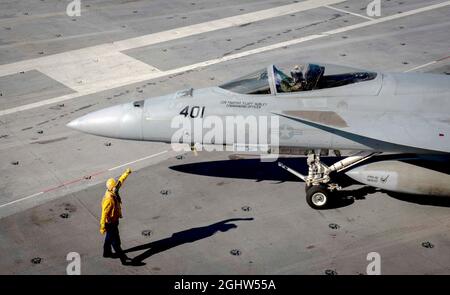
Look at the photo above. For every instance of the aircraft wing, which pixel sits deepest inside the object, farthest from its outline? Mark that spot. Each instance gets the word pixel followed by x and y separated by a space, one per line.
pixel 383 131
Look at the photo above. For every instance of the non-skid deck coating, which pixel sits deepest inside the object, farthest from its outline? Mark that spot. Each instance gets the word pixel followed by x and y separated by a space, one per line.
pixel 54 68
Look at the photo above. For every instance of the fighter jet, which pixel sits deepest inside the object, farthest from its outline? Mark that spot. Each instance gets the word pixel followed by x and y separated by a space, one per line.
pixel 396 124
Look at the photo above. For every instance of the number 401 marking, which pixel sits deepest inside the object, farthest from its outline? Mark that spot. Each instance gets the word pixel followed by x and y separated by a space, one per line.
pixel 195 112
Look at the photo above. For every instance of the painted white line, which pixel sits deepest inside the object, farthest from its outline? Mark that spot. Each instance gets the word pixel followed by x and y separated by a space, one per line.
pixel 223 23
pixel 422 66
pixel 102 67
pixel 97 71
pixel 94 52
pixel 427 64
pixel 348 12
pixel 65 38
pixel 39 104
pixel 111 169
pixel 158 74
pixel 22 199
pixel 389 18
pixel 138 160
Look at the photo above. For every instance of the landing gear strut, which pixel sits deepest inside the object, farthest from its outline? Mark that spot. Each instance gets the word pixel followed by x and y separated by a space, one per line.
pixel 318 186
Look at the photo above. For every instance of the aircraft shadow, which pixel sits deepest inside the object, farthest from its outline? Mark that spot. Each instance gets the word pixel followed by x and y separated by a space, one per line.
pixel 346 198
pixel 180 238
pixel 256 169
pixel 420 199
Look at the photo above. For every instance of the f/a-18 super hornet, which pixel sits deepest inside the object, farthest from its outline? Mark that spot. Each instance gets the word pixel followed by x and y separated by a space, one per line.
pixel 396 124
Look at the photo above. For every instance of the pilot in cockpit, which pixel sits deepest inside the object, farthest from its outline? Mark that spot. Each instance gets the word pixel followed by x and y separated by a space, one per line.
pixel 297 75
pixel 297 82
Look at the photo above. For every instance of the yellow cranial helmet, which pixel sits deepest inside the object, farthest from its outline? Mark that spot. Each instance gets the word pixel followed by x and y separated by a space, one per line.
pixel 110 183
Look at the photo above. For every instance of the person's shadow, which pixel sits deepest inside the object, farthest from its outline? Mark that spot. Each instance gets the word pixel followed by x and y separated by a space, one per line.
pixel 182 237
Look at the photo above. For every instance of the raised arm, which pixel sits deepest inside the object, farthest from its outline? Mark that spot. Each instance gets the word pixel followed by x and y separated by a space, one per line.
pixel 122 178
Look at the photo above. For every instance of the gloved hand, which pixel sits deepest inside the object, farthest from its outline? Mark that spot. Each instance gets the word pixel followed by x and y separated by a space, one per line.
pixel 102 230
pixel 128 171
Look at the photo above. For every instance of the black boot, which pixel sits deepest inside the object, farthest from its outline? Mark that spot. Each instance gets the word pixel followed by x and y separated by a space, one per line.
pixel 111 255
pixel 125 260
pixel 107 254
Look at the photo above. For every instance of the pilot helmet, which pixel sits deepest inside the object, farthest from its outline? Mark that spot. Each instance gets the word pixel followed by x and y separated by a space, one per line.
pixel 298 68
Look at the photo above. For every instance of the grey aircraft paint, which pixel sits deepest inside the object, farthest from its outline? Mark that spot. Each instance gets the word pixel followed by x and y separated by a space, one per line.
pixel 337 108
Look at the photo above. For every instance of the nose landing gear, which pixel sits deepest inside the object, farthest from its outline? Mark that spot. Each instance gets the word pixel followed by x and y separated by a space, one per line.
pixel 318 186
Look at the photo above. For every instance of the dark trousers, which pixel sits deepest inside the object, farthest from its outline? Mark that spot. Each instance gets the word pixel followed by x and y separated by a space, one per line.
pixel 112 239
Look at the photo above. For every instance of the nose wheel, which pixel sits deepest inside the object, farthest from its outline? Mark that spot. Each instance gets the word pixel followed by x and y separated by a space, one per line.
pixel 318 186
pixel 317 196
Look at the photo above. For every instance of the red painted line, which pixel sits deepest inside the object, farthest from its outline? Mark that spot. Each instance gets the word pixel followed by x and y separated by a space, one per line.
pixel 52 189
pixel 72 182
pixel 67 183
pixel 88 177
pixel 98 173
pixel 441 59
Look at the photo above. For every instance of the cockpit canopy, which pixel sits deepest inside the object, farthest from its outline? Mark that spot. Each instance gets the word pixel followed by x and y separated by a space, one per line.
pixel 302 77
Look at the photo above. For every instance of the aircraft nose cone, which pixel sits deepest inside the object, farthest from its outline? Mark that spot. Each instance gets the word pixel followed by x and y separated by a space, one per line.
pixel 121 121
pixel 105 122
pixel 74 124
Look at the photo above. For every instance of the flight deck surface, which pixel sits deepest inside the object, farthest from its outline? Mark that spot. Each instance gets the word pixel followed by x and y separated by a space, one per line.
pixel 55 68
